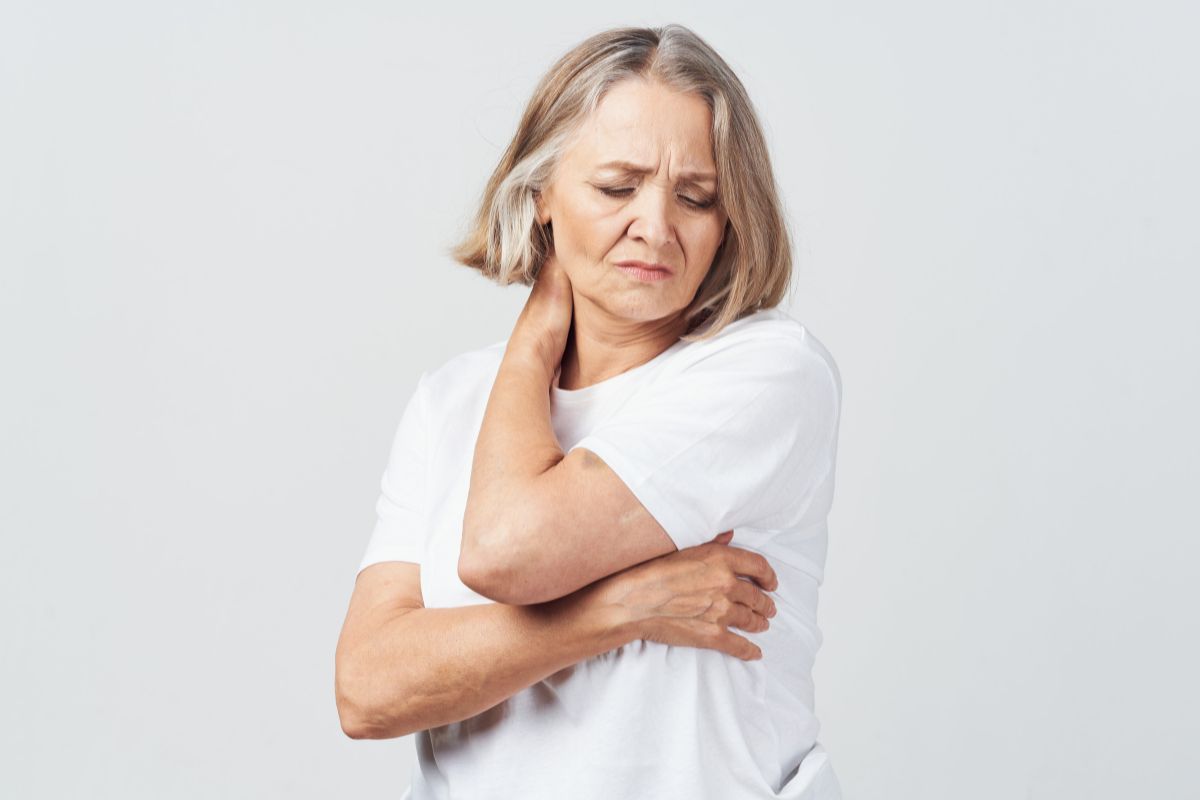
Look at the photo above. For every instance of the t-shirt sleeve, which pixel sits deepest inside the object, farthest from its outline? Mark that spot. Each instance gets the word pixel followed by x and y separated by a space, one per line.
pixel 400 510
pixel 743 436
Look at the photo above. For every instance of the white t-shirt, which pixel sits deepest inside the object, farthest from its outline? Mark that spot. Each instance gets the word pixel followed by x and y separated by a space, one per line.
pixel 738 432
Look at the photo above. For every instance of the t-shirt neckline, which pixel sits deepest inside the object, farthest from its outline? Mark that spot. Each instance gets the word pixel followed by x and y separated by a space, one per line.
pixel 587 393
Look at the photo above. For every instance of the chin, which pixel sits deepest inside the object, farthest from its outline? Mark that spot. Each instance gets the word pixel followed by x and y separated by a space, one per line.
pixel 638 310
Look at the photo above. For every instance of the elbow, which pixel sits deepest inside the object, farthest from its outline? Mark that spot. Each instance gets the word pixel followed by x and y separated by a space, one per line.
pixel 500 575
pixel 490 578
pixel 353 711
pixel 358 722
pixel 479 566
pixel 352 716
pixel 354 730
pixel 473 573
pixel 357 715
pixel 500 560
pixel 357 729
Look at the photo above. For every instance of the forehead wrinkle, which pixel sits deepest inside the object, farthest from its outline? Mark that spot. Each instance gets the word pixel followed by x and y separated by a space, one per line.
pixel 619 141
pixel 630 168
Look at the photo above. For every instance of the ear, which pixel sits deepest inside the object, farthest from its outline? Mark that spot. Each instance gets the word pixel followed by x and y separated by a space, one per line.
pixel 543 214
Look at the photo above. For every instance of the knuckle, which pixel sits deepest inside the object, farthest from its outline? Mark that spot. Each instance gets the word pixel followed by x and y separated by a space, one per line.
pixel 725 609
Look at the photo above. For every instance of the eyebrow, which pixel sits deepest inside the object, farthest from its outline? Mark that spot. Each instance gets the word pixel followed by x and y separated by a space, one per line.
pixel 637 169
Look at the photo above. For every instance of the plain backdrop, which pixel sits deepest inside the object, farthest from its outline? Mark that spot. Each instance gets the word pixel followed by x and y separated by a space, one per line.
pixel 222 234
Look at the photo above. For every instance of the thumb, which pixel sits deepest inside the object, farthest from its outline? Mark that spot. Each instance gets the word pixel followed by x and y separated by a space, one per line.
pixel 723 538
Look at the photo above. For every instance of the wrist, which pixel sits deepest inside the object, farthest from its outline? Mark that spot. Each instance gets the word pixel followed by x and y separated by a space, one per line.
pixel 589 612
pixel 532 352
pixel 616 618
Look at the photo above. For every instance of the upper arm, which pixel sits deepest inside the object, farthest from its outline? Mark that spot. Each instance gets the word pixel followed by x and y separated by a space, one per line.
pixel 599 528
pixel 381 591
pixel 742 437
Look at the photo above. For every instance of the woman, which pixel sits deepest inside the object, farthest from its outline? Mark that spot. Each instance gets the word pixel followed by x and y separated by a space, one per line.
pixel 547 596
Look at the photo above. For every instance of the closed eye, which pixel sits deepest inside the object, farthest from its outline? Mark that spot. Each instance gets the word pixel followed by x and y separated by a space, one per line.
pixel 629 190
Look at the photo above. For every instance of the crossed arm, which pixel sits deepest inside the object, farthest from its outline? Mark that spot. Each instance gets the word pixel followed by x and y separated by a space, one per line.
pixel 540 524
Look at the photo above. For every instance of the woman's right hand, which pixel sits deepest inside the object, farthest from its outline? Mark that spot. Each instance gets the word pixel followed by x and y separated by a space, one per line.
pixel 692 596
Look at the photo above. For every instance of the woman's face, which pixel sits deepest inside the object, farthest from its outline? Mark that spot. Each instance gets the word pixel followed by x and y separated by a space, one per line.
pixel 657 207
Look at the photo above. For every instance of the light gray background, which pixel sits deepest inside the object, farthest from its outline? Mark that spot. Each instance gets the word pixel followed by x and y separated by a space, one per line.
pixel 222 230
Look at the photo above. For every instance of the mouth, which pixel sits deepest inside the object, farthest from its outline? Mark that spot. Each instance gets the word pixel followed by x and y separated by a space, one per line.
pixel 643 271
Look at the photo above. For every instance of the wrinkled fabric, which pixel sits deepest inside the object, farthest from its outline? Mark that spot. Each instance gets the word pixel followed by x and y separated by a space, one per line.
pixel 738 432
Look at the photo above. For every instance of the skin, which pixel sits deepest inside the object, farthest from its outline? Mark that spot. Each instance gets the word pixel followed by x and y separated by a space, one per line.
pixel 601 215
pixel 401 667
pixel 535 514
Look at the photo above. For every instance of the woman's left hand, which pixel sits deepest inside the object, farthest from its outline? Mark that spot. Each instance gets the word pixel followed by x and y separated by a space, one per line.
pixel 545 322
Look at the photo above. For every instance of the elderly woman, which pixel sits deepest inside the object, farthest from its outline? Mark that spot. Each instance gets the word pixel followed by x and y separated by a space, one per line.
pixel 548 595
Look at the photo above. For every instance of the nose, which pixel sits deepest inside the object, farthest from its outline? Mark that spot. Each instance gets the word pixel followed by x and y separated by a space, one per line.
pixel 653 217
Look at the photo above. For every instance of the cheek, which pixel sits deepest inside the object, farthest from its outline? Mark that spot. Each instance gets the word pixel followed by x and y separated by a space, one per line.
pixel 582 232
pixel 705 240
pixel 599 239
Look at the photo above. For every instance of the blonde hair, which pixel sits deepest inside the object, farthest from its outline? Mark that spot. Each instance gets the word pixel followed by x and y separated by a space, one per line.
pixel 751 269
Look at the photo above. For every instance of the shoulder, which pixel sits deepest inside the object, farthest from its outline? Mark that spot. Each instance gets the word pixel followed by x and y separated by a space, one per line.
pixel 467 364
pixel 768 341
pixel 461 377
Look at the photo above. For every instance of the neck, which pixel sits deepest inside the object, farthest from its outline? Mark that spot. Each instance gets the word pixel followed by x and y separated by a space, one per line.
pixel 601 346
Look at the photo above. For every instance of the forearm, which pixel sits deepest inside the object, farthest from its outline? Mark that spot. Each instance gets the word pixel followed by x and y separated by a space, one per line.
pixel 432 666
pixel 515 445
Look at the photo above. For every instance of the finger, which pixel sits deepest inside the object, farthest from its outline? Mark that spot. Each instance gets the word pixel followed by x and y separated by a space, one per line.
pixel 723 538
pixel 752 565
pixel 744 617
pixel 754 598
pixel 740 646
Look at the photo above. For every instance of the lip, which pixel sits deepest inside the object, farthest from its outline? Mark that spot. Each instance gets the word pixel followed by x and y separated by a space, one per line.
pixel 644 271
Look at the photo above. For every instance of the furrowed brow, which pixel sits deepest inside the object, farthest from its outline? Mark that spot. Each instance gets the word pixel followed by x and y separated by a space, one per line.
pixel 637 169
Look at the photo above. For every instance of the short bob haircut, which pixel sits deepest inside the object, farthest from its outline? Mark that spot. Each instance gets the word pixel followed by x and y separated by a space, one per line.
pixel 751 269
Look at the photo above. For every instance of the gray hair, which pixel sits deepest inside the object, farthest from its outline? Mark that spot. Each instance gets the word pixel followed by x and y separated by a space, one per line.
pixel 751 269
